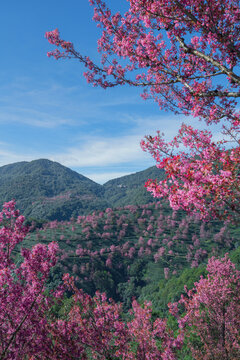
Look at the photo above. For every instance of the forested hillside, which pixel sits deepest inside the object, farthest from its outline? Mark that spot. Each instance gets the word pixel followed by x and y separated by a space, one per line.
pixel 44 189
pixel 47 190
pixel 135 251
pixel 129 190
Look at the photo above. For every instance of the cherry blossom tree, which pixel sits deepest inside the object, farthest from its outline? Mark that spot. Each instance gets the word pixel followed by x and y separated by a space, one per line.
pixel 203 179
pixel 185 56
pixel 211 321
pixel 94 329
pixel 24 304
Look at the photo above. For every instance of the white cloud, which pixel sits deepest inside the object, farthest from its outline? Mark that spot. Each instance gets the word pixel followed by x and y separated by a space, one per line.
pixel 53 105
pixel 122 155
pixel 103 152
pixel 91 151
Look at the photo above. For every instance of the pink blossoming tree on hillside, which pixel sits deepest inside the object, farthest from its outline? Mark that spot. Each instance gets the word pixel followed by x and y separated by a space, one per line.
pixel 212 317
pixel 185 56
pixel 24 304
pixel 94 329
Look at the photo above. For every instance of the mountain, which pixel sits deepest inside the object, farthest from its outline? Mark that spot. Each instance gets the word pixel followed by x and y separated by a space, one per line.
pixel 44 189
pixel 130 190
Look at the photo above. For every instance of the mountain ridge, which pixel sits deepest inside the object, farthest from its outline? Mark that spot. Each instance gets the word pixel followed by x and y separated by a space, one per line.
pixel 45 189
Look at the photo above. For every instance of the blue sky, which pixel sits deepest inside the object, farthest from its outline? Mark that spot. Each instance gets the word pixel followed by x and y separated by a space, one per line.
pixel 47 109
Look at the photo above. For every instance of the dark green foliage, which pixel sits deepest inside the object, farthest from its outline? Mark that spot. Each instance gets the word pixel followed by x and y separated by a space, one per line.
pixel 164 291
pixel 132 288
pixel 235 257
pixel 130 189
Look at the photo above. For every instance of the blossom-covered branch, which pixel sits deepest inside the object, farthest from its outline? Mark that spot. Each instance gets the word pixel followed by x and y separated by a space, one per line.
pixel 185 55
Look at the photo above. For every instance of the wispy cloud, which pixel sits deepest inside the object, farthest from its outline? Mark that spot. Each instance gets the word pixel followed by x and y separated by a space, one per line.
pixel 93 152
pixel 9 157
pixel 103 152
pixel 50 104
pixel 31 117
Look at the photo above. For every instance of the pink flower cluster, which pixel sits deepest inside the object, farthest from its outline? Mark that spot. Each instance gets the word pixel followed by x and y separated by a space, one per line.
pixel 203 179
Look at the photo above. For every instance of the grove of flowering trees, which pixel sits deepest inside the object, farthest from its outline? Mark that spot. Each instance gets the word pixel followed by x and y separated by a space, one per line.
pixel 97 328
pixel 102 250
pixel 185 56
